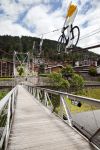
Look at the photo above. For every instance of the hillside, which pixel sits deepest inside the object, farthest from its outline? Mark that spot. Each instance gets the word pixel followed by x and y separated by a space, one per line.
pixel 9 43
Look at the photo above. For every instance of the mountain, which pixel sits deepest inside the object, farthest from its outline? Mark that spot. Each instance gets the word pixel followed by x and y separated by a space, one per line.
pixel 9 44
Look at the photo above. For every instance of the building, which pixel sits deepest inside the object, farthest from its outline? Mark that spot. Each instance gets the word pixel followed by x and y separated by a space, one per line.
pixel 86 63
pixel 56 68
pixel 6 68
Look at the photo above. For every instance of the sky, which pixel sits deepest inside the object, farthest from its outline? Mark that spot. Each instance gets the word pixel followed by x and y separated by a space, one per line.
pixel 36 17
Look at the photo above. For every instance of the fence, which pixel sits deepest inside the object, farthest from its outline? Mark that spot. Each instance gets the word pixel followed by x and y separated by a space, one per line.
pixel 82 113
pixel 7 108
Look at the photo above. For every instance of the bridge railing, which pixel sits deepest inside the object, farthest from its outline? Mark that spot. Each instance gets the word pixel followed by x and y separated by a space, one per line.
pixel 7 107
pixel 80 112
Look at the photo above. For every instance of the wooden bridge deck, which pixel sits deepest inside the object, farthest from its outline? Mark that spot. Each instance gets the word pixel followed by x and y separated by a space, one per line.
pixel 36 128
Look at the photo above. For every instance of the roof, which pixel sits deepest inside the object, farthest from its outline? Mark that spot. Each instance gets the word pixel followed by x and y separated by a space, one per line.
pixel 61 66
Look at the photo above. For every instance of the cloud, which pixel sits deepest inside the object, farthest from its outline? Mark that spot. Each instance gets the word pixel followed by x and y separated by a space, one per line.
pixel 88 23
pixel 35 17
pixel 43 21
pixel 13 29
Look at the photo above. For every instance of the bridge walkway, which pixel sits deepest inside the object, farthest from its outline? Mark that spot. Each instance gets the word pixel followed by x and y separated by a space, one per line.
pixel 36 128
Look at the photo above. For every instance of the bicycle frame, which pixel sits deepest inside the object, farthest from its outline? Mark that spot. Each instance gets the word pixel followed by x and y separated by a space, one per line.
pixel 64 42
pixel 68 25
pixel 70 35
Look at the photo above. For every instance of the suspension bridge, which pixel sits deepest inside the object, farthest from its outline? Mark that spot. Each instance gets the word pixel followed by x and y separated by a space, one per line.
pixel 31 120
pixel 35 118
pixel 28 120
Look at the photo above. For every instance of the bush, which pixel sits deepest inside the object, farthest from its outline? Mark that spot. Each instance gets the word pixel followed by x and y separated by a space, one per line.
pixel 55 102
pixel 77 82
pixel 3 93
pixel 92 71
pixel 21 70
pixel 41 68
pixel 58 81
pixel 67 71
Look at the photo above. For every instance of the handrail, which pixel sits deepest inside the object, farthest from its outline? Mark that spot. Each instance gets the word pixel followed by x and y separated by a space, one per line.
pixel 71 96
pixel 4 100
pixel 78 111
pixel 7 108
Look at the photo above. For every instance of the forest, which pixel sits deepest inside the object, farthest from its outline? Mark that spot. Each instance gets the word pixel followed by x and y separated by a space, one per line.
pixel 9 44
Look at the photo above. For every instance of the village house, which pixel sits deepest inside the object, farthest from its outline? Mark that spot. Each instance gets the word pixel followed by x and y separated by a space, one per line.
pixel 56 68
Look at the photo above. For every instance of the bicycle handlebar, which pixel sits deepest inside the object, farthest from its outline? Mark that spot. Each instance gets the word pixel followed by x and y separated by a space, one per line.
pixel 64 28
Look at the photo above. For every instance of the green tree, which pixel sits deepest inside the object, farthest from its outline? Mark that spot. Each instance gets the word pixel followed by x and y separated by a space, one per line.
pixel 67 71
pixel 58 83
pixel 20 70
pixel 25 43
pixel 77 83
pixel 92 71
pixel 41 68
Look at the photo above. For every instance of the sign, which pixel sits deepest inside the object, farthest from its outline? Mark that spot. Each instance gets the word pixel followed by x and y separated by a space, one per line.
pixel 72 9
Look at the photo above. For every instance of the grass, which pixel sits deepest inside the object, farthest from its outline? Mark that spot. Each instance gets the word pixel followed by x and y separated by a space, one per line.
pixel 6 79
pixel 84 107
pixel 3 93
pixel 92 93
pixel 44 74
pixel 75 109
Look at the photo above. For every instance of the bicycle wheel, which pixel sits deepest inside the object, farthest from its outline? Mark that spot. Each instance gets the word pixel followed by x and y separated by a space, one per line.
pixel 61 44
pixel 75 35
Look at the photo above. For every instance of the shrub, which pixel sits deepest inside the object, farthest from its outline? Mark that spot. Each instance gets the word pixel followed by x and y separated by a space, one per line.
pixel 77 82
pixel 92 71
pixel 41 68
pixel 58 81
pixel 20 70
pixel 55 102
pixel 67 71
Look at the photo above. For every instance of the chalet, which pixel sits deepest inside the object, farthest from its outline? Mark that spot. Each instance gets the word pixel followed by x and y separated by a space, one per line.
pixel 56 68
pixel 86 63
pixel 83 66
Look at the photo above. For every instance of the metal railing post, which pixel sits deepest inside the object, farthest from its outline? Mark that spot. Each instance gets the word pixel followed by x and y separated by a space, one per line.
pixel 6 116
pixel 67 111
pixel 72 108
pixel 61 108
pixel 45 98
pixel 8 123
pixel 38 97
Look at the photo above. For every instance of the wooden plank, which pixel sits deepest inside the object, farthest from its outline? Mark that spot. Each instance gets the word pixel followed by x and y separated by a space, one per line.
pixel 36 128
